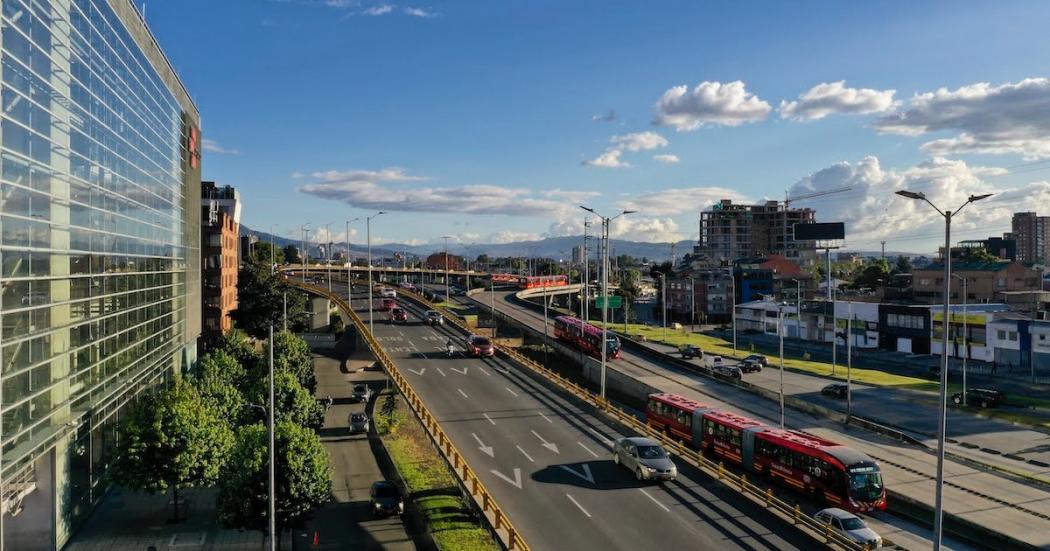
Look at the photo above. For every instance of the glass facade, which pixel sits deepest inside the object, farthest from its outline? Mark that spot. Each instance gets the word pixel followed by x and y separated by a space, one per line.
pixel 97 236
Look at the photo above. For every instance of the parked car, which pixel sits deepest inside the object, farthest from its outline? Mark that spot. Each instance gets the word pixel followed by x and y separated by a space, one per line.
pixel 986 398
pixel 849 525
pixel 645 457
pixel 479 346
pixel 433 317
pixel 834 390
pixel 729 371
pixel 759 359
pixel 388 293
pixel 385 499
pixel 398 315
pixel 361 393
pixel 358 423
pixel 387 304
pixel 750 366
pixel 689 352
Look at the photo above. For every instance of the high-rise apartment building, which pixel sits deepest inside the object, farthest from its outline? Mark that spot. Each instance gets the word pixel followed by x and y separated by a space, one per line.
pixel 99 216
pixel 220 245
pixel 729 231
pixel 1032 233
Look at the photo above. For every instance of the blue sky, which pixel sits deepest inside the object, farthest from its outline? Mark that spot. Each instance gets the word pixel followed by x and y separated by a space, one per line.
pixel 486 120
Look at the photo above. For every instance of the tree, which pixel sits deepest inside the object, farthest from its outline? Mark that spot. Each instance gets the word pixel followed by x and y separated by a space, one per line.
pixel 903 265
pixel 977 254
pixel 291 254
pixel 872 275
pixel 172 439
pixel 291 401
pixel 301 472
pixel 236 343
pixel 260 301
pixel 292 354
pixel 261 254
pixel 218 378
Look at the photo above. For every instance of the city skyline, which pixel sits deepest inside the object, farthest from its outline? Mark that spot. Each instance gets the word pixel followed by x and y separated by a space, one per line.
pixel 517 124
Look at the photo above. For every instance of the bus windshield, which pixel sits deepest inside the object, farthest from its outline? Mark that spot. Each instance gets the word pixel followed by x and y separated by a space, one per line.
pixel 865 486
pixel 612 344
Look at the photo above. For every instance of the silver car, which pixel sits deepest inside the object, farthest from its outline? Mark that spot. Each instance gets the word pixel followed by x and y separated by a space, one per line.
pixel 646 457
pixel 358 423
pixel 849 525
pixel 361 393
pixel 433 317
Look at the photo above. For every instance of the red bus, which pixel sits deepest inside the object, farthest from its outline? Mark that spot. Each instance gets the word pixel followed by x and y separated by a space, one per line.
pixel 820 468
pixel 536 282
pixel 586 337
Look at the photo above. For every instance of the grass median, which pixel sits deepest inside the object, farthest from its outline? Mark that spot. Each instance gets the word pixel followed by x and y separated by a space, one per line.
pixel 432 487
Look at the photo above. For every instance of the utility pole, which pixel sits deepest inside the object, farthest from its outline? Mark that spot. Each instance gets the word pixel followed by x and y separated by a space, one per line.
pixel 368 236
pixel 883 250
pixel 781 331
pixel 446 238
pixel 849 360
pixel 663 303
pixel 306 251
pixel 272 512
pixel 328 254
pixel 349 264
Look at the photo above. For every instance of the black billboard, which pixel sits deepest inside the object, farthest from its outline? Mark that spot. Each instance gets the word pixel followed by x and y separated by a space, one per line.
pixel 820 231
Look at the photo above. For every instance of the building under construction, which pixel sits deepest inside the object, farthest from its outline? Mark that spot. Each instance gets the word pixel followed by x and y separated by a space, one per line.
pixel 729 231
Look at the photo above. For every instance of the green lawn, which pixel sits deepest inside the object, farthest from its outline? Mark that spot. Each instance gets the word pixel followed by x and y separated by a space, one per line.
pixel 431 485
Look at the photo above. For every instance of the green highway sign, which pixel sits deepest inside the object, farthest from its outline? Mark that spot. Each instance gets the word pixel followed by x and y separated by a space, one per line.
pixel 615 301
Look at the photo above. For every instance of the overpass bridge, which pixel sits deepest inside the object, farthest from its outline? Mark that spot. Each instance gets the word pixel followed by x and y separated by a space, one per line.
pixel 533 451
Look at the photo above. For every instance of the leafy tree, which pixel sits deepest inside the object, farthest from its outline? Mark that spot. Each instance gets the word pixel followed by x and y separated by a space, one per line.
pixel 870 275
pixel 291 254
pixel 218 380
pixel 482 259
pixel 292 354
pixel 260 301
pixel 903 265
pixel 172 439
pixel 238 344
pixel 292 402
pixel 261 254
pixel 629 285
pixel 977 254
pixel 664 268
pixel 301 471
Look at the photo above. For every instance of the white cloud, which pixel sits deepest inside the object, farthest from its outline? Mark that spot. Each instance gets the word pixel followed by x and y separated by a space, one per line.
pixel 1012 118
pixel 391 174
pixel 609 159
pixel 679 200
pixel 709 103
pixel 337 236
pixel 570 196
pixel 651 230
pixel 872 212
pixel 829 98
pixel 566 226
pixel 418 12
pixel 298 175
pixel 609 116
pixel 666 159
pixel 639 141
pixel 507 236
pixel 379 9
pixel 212 146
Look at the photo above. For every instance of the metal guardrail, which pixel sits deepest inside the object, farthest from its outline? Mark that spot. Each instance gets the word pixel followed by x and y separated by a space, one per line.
pixel 481 496
pixel 738 482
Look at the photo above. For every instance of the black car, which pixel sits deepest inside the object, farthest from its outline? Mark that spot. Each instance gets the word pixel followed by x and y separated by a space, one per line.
pixel 385 499
pixel 689 352
pixel 759 359
pixel 750 366
pixel 834 390
pixel 986 398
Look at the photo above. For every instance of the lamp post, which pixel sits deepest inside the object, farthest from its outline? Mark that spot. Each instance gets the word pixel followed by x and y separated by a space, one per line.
pixel 306 252
pixel 272 508
pixel 938 528
pixel 446 238
pixel 663 303
pixel 849 360
pixel 466 257
pixel 692 304
pixel 368 236
pixel 605 284
pixel 328 253
pixel 966 336
pixel 349 264
pixel 781 331
pixel 732 297
pixel 798 307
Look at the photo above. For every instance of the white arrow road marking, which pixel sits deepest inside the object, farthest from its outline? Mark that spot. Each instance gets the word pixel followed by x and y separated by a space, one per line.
pixel 463 372
pixel 487 450
pixel 549 445
pixel 420 372
pixel 489 418
pixel 512 393
pixel 463 393
pixel 605 440
pixel 586 474
pixel 545 418
pixel 588 449
pixel 484 371
pixel 441 372
pixel 574 502
pixel 517 478
pixel 527 456
pixel 662 506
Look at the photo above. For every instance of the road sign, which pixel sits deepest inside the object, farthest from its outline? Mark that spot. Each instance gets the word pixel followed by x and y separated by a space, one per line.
pixel 615 301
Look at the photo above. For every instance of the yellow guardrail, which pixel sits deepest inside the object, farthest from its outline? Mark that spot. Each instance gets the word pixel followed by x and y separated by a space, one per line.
pixel 739 482
pixel 481 496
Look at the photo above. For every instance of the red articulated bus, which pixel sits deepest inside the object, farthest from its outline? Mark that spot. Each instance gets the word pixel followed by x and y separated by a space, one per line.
pixel 536 282
pixel 823 469
pixel 568 329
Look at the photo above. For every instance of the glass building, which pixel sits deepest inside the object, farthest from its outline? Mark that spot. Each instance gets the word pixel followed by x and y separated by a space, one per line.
pixel 99 248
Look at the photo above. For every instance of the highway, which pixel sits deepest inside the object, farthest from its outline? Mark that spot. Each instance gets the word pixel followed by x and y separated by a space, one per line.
pixel 547 460
pixel 1017 509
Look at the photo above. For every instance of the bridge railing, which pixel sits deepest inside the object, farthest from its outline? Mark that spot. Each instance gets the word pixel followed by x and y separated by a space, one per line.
pixel 503 526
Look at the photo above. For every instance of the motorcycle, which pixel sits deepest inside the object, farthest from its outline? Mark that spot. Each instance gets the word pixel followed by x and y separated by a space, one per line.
pixel 450 351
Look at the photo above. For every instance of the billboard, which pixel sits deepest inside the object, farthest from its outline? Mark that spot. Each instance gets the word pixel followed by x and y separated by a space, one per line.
pixel 820 231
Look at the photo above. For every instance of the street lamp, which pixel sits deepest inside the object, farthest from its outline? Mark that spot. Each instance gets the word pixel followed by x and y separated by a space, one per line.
pixel 446 238
pixel 368 236
pixel 605 284
pixel 306 252
pixel 349 264
pixel 938 528
pixel 798 307
pixel 966 335
pixel 328 253
pixel 663 303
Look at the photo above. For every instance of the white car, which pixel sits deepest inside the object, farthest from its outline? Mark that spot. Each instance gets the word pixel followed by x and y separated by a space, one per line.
pixel 388 293
pixel 361 393
pixel 849 525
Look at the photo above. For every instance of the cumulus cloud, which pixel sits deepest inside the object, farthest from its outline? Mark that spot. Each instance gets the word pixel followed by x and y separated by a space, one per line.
pixel 631 227
pixel 507 236
pixel 609 116
pixel 829 98
pixel 212 146
pixel 635 141
pixel 567 226
pixel 709 103
pixel 871 211
pixel 1012 118
pixel 418 12
pixel 391 174
pixel 680 200
pixel 609 159
pixel 378 9
pixel 666 159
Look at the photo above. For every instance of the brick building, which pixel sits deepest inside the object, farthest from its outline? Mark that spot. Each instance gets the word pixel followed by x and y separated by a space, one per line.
pixel 220 247
pixel 436 261
pixel 730 231
pixel 983 281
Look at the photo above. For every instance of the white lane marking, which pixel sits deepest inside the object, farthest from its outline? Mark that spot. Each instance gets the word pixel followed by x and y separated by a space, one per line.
pixel 548 419
pixel 512 393
pixel 420 372
pixel 487 450
pixel 464 372
pixel 549 445
pixel 400 333
pixel 503 370
pixel 574 502
pixel 489 418
pixel 527 456
pixel 585 473
pixel 662 506
pixel 517 478
pixel 441 372
pixel 588 449
pixel 605 439
pixel 484 371
pixel 424 355
pixel 463 393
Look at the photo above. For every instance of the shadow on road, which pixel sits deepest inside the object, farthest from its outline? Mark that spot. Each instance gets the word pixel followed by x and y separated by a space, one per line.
pixel 597 474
